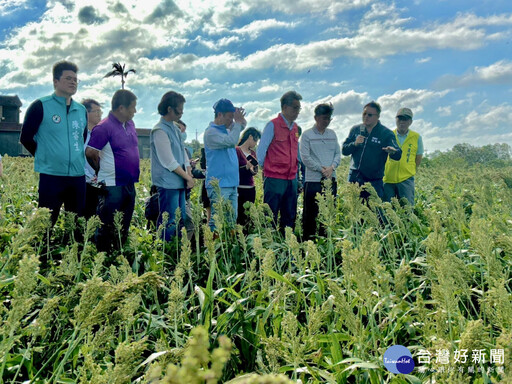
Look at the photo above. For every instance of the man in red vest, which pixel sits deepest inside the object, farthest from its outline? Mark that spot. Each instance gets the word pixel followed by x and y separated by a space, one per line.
pixel 278 154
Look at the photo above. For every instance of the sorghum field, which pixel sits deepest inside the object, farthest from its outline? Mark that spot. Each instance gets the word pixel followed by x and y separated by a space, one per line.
pixel 259 308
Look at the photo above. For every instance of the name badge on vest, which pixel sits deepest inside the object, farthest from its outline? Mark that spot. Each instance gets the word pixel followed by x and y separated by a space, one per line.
pixel 56 119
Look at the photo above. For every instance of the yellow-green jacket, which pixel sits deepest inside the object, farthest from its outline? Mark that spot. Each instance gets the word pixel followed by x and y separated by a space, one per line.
pixel 397 171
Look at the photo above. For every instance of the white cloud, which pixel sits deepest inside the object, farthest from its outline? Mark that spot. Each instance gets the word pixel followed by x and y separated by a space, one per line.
pixel 10 6
pixel 269 88
pixel 444 111
pixel 423 60
pixel 416 99
pixel 496 73
pixel 256 27
pixel 196 83
pixel 488 126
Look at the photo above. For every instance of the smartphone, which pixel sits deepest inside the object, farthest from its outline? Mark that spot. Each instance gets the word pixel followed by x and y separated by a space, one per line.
pixel 251 159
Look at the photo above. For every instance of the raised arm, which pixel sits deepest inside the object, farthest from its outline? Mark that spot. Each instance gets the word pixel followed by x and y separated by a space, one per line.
pixel 213 140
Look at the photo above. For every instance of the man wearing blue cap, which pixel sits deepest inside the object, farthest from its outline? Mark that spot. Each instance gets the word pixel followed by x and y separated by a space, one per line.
pixel 220 139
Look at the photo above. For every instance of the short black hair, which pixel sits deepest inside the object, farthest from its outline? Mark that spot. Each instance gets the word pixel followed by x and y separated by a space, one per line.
pixel 61 66
pixel 289 97
pixel 374 104
pixel 122 97
pixel 324 109
pixel 170 99
pixel 251 131
pixel 88 103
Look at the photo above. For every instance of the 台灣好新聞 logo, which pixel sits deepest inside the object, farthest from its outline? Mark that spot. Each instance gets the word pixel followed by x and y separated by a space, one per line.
pixel 398 359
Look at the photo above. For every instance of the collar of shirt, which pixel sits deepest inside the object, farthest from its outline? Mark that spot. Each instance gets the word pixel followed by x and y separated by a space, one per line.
pixel 315 129
pixel 290 126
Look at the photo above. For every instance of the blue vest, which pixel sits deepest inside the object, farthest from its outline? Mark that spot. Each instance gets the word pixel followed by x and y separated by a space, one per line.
pixel 60 138
pixel 221 164
pixel 161 176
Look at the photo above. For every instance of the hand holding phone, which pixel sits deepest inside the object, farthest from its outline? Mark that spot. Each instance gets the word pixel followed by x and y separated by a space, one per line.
pixel 251 159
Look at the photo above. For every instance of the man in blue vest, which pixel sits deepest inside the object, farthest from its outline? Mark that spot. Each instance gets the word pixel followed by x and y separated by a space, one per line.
pixel 53 132
pixel 220 140
pixel 399 174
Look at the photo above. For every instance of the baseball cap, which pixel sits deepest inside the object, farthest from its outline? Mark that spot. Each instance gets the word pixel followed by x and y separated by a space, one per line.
pixel 404 112
pixel 223 106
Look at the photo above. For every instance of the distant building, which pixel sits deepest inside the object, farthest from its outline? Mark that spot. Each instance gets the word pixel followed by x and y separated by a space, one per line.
pixel 143 136
pixel 10 129
pixel 10 126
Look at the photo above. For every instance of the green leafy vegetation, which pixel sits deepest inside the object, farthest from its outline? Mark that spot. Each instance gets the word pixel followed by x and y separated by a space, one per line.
pixel 257 307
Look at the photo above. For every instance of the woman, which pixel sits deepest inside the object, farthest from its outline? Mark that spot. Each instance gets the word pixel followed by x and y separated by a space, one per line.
pixel 248 167
pixel 169 162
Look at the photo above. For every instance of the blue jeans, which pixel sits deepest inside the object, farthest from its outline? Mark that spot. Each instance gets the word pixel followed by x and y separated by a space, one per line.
pixel 405 189
pixel 229 195
pixel 169 200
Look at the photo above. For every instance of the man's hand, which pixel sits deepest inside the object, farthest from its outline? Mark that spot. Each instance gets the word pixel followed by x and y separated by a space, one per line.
pixel 181 127
pixel 389 149
pixel 327 172
pixel 240 116
pixel 359 140
pixel 190 183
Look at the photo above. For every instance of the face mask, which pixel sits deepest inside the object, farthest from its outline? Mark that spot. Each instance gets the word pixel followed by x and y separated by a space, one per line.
pixel 183 136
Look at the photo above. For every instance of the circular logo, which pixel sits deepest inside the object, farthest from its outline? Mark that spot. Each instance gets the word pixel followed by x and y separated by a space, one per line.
pixel 56 119
pixel 398 359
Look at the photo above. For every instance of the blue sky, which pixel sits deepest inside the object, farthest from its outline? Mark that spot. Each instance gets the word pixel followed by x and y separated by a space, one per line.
pixel 449 61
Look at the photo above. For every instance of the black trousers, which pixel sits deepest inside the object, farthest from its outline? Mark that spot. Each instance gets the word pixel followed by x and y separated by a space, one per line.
pixel 244 195
pixel 310 211
pixel 92 195
pixel 57 190
pixel 112 200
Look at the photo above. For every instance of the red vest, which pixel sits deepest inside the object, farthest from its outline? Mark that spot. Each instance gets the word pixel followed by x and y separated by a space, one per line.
pixel 281 160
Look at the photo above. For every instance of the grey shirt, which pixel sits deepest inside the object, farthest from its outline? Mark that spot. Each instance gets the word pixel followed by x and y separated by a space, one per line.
pixel 319 150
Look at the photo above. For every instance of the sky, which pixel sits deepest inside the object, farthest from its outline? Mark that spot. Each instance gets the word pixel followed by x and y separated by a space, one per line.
pixel 450 61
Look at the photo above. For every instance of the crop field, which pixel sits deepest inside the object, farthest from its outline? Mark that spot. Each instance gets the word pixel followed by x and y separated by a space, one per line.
pixel 253 307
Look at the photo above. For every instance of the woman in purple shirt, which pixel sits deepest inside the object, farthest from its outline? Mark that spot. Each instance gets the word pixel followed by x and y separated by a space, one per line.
pixel 247 167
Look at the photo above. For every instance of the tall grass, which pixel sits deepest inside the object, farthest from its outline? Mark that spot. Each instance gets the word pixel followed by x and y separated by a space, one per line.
pixel 251 306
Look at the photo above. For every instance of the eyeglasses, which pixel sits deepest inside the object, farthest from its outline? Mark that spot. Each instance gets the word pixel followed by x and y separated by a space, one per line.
pixel 403 118
pixel 96 111
pixel 71 79
pixel 178 112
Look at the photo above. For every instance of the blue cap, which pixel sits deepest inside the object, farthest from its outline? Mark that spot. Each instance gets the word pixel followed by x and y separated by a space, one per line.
pixel 223 106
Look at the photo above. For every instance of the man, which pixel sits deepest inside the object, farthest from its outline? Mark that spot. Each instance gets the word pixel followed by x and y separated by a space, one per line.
pixel 114 154
pixel 399 175
pixel 369 145
pixel 91 183
pixel 53 132
pixel 220 139
pixel 320 153
pixel 278 155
